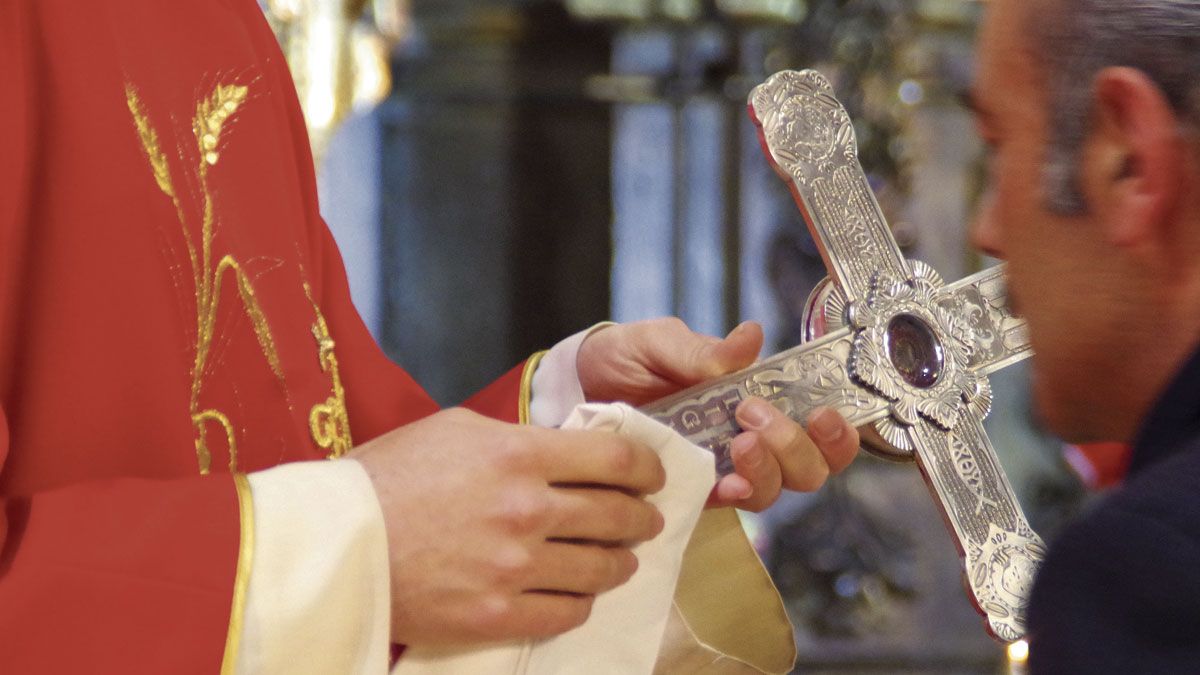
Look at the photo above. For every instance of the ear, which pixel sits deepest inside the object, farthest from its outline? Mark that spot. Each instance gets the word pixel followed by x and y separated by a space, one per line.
pixel 1134 158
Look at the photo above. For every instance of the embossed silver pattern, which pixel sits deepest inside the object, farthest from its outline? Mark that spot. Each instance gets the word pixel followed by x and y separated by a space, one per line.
pixel 1000 551
pixel 937 420
pixel 959 393
pixel 1001 338
pixel 941 422
pixel 811 144
pixel 795 381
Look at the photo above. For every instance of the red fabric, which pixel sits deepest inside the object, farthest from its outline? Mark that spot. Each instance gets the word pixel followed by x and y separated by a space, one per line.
pixel 1106 463
pixel 502 399
pixel 117 555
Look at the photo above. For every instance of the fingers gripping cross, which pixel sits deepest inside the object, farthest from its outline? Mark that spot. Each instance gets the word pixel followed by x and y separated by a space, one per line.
pixel 901 351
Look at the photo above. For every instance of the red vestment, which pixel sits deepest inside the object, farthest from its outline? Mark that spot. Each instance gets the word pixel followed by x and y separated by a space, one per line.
pixel 172 310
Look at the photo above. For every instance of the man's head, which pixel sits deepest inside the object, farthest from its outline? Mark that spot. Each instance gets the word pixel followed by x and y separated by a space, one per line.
pixel 1089 108
pixel 1077 39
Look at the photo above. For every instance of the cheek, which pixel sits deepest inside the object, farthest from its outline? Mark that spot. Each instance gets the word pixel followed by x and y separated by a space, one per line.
pixel 1055 393
pixel 1071 362
pixel 1011 216
pixel 1062 403
pixel 1052 404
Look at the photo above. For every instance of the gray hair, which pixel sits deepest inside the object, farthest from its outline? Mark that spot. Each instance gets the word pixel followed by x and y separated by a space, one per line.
pixel 1076 39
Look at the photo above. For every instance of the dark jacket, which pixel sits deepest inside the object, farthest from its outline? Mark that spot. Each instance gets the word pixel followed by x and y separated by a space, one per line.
pixel 1119 591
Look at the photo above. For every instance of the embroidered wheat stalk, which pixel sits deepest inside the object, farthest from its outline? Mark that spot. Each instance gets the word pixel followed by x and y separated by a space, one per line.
pixel 213 117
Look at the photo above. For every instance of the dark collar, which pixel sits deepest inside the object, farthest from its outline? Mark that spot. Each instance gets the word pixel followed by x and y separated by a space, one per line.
pixel 1173 422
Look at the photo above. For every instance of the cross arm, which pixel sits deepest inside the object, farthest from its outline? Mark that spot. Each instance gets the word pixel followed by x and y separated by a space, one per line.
pixel 999 550
pixel 795 381
pixel 1000 337
pixel 809 140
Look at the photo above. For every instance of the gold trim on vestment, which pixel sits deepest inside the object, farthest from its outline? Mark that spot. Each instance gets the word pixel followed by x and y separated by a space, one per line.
pixel 527 387
pixel 242 580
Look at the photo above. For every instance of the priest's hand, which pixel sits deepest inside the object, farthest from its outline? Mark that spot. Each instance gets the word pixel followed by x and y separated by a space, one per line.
pixel 499 532
pixel 645 361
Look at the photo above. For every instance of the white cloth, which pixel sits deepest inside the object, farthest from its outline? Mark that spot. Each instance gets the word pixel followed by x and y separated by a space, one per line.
pixel 318 599
pixel 626 627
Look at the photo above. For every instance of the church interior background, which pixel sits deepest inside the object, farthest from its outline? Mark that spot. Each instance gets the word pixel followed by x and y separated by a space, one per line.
pixel 500 174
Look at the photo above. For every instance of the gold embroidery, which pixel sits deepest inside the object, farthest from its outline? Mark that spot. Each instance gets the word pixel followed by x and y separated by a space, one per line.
pixel 242 580
pixel 526 392
pixel 149 138
pixel 213 116
pixel 329 421
pixel 159 167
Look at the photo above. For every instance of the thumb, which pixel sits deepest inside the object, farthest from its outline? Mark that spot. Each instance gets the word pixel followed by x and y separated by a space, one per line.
pixel 737 350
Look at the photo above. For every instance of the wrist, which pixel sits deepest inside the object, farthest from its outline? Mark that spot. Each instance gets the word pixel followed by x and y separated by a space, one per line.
pixel 556 385
pixel 589 359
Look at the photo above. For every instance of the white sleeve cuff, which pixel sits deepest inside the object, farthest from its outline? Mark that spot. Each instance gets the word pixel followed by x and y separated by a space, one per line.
pixel 556 389
pixel 318 599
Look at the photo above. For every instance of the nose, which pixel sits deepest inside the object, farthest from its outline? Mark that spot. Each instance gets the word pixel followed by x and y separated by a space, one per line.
pixel 984 232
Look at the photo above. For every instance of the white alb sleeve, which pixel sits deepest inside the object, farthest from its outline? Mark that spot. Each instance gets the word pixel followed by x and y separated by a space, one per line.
pixel 556 390
pixel 318 598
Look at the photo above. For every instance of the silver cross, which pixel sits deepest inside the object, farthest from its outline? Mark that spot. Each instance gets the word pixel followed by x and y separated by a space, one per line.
pixel 889 346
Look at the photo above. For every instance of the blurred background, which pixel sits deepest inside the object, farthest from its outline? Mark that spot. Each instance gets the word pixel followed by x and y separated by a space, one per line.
pixel 500 174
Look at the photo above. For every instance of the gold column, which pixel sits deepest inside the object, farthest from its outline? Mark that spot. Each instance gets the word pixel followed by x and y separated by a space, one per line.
pixel 338 53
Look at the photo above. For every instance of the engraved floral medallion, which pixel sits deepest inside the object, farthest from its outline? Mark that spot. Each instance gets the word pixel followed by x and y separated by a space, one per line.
pixel 1002 570
pixel 806 127
pixel 915 354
